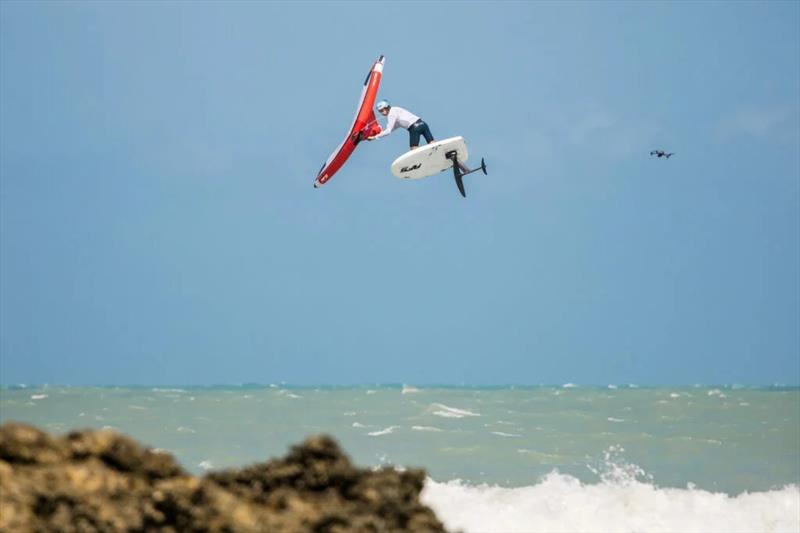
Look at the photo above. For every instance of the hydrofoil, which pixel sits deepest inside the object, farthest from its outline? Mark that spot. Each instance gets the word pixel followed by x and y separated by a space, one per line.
pixel 436 157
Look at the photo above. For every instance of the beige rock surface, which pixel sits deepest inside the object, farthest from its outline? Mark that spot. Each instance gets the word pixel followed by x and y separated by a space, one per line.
pixel 101 481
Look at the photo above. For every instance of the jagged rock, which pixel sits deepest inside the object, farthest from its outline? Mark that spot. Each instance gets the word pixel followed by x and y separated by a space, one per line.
pixel 100 481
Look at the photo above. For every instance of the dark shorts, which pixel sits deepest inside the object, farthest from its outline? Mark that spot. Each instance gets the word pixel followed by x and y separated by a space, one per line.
pixel 415 130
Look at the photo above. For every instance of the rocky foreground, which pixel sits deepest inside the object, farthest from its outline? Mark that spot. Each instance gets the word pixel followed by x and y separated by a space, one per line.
pixel 89 481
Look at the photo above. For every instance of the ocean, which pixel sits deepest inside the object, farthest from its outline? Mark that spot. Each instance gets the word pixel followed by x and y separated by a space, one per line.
pixel 506 459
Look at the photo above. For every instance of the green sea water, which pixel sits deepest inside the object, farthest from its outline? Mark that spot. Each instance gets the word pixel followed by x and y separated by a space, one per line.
pixel 721 439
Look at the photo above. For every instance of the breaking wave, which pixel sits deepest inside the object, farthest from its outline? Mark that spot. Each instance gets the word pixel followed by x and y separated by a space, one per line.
pixel 562 503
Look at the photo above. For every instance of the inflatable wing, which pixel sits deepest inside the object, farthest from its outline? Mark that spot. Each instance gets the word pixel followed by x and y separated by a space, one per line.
pixel 364 125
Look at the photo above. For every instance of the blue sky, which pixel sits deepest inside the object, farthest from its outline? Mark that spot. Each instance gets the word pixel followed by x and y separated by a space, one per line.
pixel 158 223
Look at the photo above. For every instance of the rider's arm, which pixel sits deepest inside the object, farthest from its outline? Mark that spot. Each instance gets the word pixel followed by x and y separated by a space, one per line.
pixel 390 123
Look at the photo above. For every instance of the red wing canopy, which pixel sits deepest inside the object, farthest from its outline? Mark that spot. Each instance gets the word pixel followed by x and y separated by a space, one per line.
pixel 364 125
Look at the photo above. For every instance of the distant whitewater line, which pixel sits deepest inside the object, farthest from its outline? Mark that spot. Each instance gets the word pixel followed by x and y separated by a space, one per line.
pixel 182 389
pixel 562 503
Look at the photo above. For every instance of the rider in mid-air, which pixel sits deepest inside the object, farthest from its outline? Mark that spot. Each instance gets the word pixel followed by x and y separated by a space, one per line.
pixel 403 118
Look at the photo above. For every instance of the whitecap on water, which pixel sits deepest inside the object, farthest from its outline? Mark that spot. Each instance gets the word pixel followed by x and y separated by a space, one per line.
pixel 383 431
pixel 502 434
pixel 439 409
pixel 425 428
pixel 38 396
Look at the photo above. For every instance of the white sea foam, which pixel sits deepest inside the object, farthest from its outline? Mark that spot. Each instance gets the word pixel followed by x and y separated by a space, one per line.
pixel 569 386
pixel 38 396
pixel 184 429
pixel 425 428
pixel 451 412
pixel 358 425
pixel 613 468
pixel 382 431
pixel 408 389
pixel 613 387
pixel 284 392
pixel 562 503
pixel 612 419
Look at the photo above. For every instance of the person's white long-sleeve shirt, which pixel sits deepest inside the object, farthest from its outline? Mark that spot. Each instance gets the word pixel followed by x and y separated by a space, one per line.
pixel 397 118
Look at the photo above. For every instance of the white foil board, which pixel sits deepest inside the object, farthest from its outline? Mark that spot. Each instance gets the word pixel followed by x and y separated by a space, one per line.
pixel 429 159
